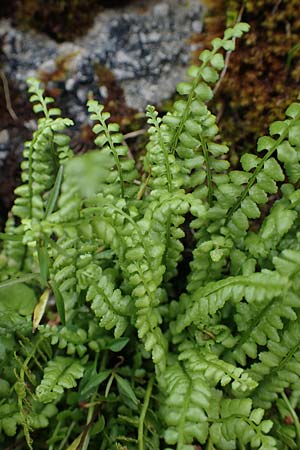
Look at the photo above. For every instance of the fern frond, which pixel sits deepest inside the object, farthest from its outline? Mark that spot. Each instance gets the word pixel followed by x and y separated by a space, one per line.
pixel 109 305
pixel 198 92
pixel 216 370
pixel 9 418
pixel 278 367
pixel 206 301
pixel 39 168
pixel 59 374
pixel 74 340
pixel 159 162
pixel 184 410
pixel 109 137
pixel 240 425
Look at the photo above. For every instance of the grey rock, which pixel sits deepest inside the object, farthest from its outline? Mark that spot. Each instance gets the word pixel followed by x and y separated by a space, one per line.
pixel 147 52
pixel 161 9
pixel 48 66
pixel 81 94
pixel 197 26
pixel 103 91
pixel 70 83
pixel 4 137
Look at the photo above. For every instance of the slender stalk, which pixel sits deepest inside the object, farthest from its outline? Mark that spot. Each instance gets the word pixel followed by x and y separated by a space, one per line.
pixel 23 279
pixel 65 440
pixel 208 171
pixel 91 410
pixel 143 414
pixel 294 416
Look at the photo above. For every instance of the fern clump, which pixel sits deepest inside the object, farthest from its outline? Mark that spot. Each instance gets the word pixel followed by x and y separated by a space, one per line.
pixel 128 350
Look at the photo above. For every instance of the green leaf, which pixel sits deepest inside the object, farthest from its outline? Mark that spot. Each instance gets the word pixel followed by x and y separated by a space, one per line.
pixel 286 153
pixel 18 298
pixel 278 127
pixel 265 143
pixel 184 88
pixel 257 415
pixel 98 426
pixel 204 92
pixel 59 374
pixel 209 75
pixel 60 304
pixel 249 161
pixel 217 61
pixel 118 344
pixel 206 54
pixel 273 169
pixel 125 389
pixel 294 134
pixel 43 262
pixel 74 445
pixel 240 28
pixel 53 197
pixel 293 110
pixel 229 46
pixel 91 381
pixel 39 309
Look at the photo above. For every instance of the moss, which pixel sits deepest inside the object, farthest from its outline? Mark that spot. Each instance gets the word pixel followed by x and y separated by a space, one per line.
pixel 263 75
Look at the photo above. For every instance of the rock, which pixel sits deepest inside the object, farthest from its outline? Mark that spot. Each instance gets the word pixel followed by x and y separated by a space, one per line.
pixel 143 48
pixel 4 137
pixel 69 84
pixel 103 91
pixel 82 95
pixel 161 9
pixel 48 66
pixel 197 26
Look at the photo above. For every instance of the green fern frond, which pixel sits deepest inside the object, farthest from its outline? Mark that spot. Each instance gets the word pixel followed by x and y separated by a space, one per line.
pixel 185 406
pixel 239 425
pixel 206 301
pixel 109 137
pixel 59 374
pixel 278 367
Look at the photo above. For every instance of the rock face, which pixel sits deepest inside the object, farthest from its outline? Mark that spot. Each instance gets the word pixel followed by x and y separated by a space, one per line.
pixel 139 52
pixel 146 48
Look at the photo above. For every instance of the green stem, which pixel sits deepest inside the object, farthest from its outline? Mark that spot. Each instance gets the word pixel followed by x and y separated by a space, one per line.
pixel 208 170
pixel 10 237
pixel 23 279
pixel 166 156
pixel 294 416
pixel 109 383
pixel 116 157
pixel 65 440
pixel 143 414
pixel 91 409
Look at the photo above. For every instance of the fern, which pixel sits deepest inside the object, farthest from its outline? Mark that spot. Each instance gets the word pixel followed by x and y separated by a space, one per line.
pixel 133 347
pixel 60 373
